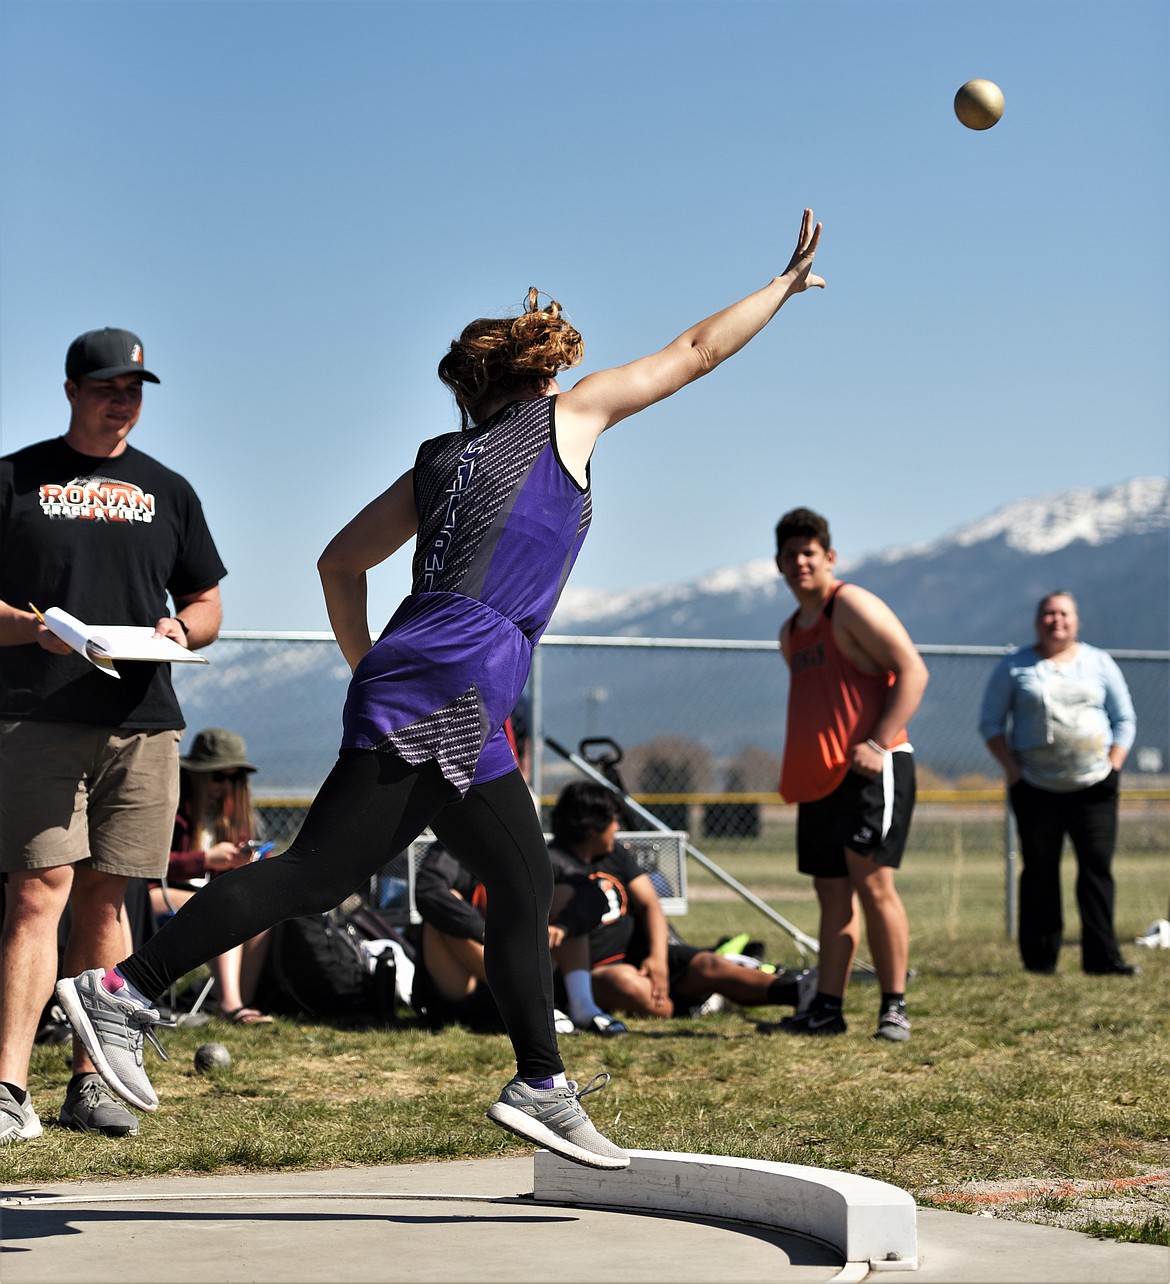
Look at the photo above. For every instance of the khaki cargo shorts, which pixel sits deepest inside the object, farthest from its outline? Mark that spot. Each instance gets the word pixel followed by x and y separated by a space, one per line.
pixel 71 792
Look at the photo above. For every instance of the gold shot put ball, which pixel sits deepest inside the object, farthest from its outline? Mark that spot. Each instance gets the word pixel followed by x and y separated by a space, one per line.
pixel 979 104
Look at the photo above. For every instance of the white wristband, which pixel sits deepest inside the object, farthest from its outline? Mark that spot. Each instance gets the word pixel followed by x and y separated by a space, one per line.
pixel 873 744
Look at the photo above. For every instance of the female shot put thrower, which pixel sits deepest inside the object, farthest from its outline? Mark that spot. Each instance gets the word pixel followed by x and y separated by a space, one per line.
pixel 602 767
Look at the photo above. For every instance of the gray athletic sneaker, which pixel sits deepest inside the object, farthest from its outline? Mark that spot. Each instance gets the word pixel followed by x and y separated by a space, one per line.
pixel 893 1026
pixel 90 1107
pixel 554 1118
pixel 113 1029
pixel 18 1119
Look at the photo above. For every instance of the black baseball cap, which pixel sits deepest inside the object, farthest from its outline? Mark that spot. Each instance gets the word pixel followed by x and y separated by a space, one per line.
pixel 106 354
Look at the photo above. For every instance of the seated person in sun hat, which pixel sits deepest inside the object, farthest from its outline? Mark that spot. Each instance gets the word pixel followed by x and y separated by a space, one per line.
pixel 214 829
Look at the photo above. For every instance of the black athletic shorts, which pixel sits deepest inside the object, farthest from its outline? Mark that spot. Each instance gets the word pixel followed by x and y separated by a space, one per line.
pixel 870 817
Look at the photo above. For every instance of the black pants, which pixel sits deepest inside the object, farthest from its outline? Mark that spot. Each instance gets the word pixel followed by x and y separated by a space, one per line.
pixel 370 808
pixel 1089 818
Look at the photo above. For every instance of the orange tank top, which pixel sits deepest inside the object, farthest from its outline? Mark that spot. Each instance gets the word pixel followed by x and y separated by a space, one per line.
pixel 832 704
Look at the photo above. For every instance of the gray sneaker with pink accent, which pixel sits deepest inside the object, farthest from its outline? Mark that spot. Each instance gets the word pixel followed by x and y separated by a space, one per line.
pixel 113 1028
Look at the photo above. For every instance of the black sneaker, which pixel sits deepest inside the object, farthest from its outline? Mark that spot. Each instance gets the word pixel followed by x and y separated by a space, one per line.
pixel 812 1021
pixel 91 1107
pixel 605 1025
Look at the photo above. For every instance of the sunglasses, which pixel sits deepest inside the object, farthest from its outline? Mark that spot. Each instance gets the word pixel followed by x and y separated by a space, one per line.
pixel 220 776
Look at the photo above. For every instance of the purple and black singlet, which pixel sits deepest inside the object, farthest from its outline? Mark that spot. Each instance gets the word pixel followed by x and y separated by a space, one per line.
pixel 500 525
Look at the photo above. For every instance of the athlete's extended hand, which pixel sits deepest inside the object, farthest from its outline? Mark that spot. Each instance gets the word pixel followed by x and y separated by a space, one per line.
pixel 798 269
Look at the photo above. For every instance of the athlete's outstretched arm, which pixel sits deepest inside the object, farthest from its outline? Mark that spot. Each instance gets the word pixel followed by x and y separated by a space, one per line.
pixel 605 398
pixel 381 528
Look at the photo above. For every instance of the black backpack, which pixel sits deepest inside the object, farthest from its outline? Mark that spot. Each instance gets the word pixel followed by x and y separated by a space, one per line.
pixel 316 968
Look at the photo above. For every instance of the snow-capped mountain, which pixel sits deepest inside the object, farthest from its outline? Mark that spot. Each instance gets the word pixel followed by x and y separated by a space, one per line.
pixel 1049 523
pixel 587 610
pixel 976 585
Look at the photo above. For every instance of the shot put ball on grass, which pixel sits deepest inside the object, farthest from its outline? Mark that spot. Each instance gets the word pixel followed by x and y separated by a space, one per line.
pixel 210 1057
pixel 979 104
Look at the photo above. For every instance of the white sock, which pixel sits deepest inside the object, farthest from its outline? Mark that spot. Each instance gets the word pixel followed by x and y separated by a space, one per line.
pixel 579 989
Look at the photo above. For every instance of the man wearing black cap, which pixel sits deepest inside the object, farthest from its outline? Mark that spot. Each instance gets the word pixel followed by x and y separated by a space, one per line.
pixel 88 763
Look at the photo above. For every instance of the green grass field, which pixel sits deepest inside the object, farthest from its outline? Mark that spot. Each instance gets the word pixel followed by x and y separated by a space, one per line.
pixel 1008 1076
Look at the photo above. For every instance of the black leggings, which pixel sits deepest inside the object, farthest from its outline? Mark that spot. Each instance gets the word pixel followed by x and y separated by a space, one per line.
pixel 370 808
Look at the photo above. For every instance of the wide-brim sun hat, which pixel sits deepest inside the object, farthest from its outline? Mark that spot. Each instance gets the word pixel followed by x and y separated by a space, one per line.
pixel 217 749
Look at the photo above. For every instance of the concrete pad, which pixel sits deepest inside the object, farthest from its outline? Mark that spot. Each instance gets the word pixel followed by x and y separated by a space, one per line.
pixel 958 1248
pixel 866 1221
pixel 470 1220
pixel 477 1220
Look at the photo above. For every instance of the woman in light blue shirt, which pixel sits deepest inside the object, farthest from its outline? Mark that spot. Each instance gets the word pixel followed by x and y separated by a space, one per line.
pixel 1058 718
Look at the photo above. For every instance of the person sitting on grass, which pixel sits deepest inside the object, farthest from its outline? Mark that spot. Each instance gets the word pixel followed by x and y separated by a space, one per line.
pixel 636 967
pixel 450 985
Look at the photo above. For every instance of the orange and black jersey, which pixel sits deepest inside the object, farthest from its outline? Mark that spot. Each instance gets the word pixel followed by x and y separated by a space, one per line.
pixel 611 875
pixel 462 916
pixel 832 705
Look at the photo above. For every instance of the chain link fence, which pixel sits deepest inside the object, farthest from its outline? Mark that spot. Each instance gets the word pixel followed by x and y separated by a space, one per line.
pixel 698 725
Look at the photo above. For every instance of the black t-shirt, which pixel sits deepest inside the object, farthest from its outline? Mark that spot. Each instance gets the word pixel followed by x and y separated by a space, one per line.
pixel 107 540
pixel 612 874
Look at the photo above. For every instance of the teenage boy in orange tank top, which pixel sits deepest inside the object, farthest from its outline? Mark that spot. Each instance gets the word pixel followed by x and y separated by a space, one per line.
pixel 856 680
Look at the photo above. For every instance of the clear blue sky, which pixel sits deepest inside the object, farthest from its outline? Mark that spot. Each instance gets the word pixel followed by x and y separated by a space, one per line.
pixel 298 205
